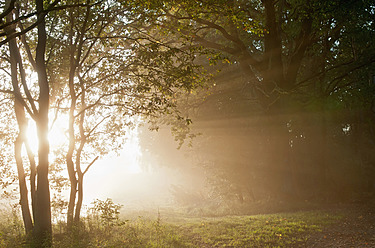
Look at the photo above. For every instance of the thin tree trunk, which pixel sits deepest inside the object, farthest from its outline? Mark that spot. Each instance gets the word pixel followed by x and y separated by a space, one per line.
pixel 31 157
pixel 24 202
pixel 75 173
pixel 80 198
pixel 69 155
pixel 22 125
pixel 72 139
pixel 79 154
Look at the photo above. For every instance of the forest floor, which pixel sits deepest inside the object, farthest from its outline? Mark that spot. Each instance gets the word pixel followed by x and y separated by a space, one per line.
pixel 355 229
pixel 314 225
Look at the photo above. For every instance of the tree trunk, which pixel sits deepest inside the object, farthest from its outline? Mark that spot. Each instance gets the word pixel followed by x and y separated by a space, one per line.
pixel 80 198
pixel 69 155
pixel 43 226
pixel 31 157
pixel 24 202
pixel 272 46
pixel 72 139
pixel 22 125
pixel 80 174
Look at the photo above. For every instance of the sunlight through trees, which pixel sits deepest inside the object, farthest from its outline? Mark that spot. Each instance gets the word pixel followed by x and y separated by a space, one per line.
pixel 267 101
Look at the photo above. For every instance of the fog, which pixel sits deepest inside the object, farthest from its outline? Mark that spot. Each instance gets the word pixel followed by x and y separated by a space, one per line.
pixel 140 181
pixel 234 163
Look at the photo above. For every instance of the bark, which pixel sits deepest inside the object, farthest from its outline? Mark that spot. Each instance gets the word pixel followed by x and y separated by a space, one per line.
pixel 272 45
pixel 22 125
pixel 43 226
pixel 72 140
pixel 69 156
pixel 31 157
pixel 80 197
pixel 24 202
pixel 74 168
pixel 79 154
pixel 283 76
pixel 302 43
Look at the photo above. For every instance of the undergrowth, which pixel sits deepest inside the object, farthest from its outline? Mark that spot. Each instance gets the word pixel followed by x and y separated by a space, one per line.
pixel 99 229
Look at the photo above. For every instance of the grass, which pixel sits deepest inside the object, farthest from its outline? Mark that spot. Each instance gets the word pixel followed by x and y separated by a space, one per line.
pixel 271 230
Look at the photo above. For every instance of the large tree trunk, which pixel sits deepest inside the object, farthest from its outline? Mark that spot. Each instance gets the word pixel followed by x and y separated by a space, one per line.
pixel 279 78
pixel 43 226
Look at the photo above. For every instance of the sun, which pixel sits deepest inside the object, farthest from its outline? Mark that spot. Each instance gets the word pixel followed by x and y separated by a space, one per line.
pixel 57 135
pixel 32 137
pixel 129 157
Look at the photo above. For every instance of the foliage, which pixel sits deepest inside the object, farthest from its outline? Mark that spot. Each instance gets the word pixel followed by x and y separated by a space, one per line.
pixel 107 211
pixel 287 87
pixel 295 89
pixel 7 136
pixel 11 227
pixel 101 68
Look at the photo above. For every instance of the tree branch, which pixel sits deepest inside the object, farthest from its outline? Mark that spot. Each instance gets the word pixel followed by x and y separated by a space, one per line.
pixel 17 34
pixel 88 167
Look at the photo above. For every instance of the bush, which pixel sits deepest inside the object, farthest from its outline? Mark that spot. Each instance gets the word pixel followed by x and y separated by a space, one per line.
pixel 12 233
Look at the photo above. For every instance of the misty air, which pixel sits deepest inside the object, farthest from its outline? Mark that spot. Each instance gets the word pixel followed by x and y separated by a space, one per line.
pixel 187 123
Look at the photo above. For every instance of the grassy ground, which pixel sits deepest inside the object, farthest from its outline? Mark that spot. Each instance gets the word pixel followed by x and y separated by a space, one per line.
pixel 271 230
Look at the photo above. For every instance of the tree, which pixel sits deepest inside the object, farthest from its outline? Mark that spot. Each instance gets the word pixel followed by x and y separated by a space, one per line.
pixel 15 61
pixel 104 83
pixel 111 77
pixel 38 110
pixel 294 57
